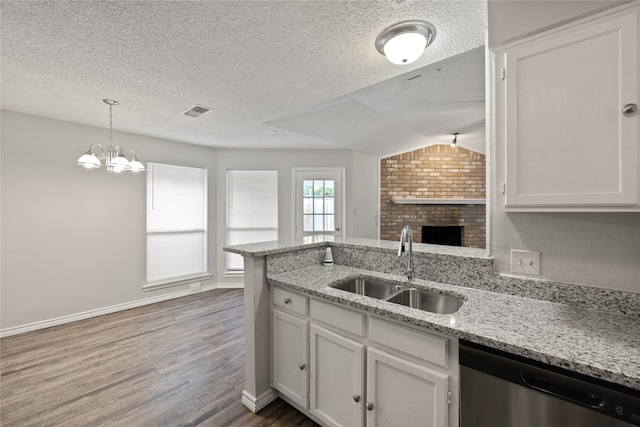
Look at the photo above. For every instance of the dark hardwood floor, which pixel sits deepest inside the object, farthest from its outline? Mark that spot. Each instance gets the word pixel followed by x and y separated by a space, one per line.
pixel 174 363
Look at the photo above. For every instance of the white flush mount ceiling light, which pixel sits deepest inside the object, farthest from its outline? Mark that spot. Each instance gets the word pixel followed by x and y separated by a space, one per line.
pixel 404 42
pixel 113 158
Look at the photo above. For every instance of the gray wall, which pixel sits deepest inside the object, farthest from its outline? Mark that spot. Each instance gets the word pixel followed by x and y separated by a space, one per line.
pixel 73 240
pixel 361 181
pixel 596 249
pixel 363 197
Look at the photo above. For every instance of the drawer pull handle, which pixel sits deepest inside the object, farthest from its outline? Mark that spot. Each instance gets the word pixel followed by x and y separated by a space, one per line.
pixel 629 108
pixel 369 406
pixel 287 300
pixel 302 366
pixel 356 397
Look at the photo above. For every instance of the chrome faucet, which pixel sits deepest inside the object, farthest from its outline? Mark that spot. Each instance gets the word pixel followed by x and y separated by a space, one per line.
pixel 407 236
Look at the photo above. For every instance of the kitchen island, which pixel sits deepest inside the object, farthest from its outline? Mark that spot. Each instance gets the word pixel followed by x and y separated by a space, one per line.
pixel 543 321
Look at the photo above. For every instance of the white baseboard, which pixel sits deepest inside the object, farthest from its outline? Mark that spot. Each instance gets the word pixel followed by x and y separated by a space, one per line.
pixel 255 404
pixel 15 330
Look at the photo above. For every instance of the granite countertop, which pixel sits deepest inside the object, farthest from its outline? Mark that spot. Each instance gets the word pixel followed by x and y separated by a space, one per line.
pixel 282 246
pixel 598 344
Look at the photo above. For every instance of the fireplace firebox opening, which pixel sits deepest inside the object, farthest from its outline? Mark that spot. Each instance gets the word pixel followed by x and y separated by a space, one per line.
pixel 450 235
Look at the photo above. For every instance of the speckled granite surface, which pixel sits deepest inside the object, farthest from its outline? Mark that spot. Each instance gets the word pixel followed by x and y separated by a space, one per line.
pixel 598 344
pixel 466 267
pixel 283 246
pixel 588 330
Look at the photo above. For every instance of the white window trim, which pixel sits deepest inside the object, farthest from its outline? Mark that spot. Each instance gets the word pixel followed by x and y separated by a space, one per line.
pixel 175 281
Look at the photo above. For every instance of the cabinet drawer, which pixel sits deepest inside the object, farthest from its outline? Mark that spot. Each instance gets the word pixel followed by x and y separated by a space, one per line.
pixel 290 301
pixel 428 347
pixel 338 317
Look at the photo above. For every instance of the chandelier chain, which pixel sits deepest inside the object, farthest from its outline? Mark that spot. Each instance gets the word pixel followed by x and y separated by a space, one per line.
pixel 110 124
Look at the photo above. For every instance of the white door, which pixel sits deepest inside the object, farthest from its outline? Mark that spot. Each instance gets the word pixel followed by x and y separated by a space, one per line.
pixel 337 378
pixel 319 201
pixel 290 358
pixel 401 393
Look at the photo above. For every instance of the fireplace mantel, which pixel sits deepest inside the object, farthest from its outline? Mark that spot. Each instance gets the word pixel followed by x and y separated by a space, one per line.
pixel 412 201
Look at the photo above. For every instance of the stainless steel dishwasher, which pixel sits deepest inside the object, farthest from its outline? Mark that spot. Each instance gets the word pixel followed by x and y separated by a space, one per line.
pixel 503 390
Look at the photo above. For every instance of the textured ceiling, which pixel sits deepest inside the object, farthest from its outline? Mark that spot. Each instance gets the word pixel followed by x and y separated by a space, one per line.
pixel 306 69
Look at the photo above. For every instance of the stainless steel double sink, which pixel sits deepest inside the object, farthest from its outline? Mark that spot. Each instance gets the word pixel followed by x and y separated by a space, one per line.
pixel 402 294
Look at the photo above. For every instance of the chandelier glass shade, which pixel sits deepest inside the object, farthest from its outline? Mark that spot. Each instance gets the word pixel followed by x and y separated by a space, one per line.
pixel 113 158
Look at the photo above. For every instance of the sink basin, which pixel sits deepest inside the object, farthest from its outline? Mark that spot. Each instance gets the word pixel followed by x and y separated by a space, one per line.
pixel 369 287
pixel 427 301
pixel 401 294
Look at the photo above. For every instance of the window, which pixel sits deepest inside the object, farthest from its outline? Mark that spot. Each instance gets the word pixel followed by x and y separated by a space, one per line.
pixel 176 224
pixel 319 201
pixel 317 204
pixel 252 210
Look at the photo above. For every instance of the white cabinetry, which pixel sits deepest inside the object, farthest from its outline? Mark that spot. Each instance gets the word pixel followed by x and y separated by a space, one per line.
pixel 289 346
pixel 290 360
pixel 337 378
pixel 361 370
pixel 337 364
pixel 410 369
pixel 559 102
pixel 401 393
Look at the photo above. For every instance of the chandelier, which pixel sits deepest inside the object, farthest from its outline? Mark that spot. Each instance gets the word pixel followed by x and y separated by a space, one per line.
pixel 113 158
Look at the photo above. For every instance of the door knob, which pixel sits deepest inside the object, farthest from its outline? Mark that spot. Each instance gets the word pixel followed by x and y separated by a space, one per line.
pixel 356 397
pixel 287 300
pixel 629 108
pixel 369 406
pixel 301 366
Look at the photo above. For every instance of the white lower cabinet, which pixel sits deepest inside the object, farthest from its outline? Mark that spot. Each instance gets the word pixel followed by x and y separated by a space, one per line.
pixel 290 357
pixel 337 378
pixel 343 367
pixel 401 393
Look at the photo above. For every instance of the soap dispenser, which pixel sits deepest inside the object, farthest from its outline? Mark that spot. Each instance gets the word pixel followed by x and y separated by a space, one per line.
pixel 328 258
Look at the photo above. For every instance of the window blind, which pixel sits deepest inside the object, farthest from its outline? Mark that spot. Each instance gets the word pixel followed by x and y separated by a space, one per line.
pixel 252 210
pixel 176 222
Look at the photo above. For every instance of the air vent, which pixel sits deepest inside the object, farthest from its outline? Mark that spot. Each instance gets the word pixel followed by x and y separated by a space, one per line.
pixel 197 111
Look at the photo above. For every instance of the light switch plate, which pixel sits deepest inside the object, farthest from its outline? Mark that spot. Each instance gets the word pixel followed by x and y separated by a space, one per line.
pixel 525 262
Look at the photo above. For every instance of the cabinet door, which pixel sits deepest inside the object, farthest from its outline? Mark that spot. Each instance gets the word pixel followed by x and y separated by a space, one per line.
pixel 401 393
pixel 290 357
pixel 567 140
pixel 337 378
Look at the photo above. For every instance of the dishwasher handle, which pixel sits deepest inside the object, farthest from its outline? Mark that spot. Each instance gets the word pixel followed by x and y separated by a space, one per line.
pixel 579 397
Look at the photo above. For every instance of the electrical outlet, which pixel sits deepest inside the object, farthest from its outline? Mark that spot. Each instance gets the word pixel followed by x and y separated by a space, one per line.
pixel 525 262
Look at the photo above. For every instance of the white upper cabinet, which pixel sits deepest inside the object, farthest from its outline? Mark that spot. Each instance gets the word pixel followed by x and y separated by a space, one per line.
pixel 559 101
